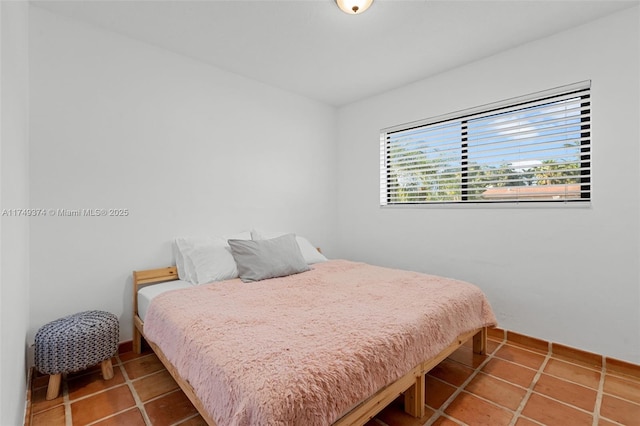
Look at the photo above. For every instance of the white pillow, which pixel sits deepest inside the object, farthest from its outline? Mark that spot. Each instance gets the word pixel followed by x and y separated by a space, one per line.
pixel 182 273
pixel 212 262
pixel 309 252
pixel 184 265
pixel 201 260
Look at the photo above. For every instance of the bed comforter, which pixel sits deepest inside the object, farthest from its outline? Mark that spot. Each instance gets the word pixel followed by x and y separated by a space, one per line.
pixel 305 349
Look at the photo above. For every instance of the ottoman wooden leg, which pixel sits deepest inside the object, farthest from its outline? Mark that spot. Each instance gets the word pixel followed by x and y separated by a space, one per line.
pixel 54 386
pixel 107 369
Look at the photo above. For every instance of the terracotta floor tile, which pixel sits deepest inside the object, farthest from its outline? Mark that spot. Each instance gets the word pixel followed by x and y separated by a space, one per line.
pixel 169 409
pixel 552 413
pixel 93 400
pixel 522 421
pixel 573 373
pixel 128 356
pixel 51 417
pixel 622 387
pixel 464 355
pixel 140 367
pixel 475 411
pixel 39 401
pixel 199 421
pixel 394 415
pixel 492 346
pixel 443 421
pixel 129 418
pixel 91 383
pixel 437 392
pixel 619 410
pixel 451 372
pixel 605 422
pixel 154 385
pixel 101 405
pixel 495 390
pixel 520 356
pixel 510 372
pixel 576 395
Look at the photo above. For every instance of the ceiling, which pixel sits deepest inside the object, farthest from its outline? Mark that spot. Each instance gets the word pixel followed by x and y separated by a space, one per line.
pixel 312 48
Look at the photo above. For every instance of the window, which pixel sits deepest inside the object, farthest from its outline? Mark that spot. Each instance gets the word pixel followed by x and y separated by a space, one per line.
pixel 530 149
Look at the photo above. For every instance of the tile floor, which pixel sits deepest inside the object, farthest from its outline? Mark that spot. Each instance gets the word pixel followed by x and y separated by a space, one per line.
pixel 519 382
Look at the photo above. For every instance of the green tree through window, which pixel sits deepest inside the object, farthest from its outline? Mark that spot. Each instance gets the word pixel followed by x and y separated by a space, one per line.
pixel 537 150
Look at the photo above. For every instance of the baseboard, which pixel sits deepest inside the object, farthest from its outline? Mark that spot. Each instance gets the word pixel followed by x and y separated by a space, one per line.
pixel 575 355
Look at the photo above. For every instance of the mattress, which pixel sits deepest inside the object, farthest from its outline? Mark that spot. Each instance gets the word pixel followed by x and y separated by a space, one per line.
pixel 148 293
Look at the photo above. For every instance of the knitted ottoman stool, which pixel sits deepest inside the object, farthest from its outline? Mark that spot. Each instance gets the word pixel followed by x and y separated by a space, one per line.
pixel 74 343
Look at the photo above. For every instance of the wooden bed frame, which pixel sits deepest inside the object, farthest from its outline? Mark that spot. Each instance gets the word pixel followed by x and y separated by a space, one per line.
pixel 411 385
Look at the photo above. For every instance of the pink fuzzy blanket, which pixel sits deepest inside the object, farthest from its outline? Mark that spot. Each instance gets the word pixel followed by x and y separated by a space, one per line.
pixel 304 349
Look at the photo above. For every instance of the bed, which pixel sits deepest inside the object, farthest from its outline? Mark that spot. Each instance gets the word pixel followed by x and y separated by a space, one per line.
pixel 333 345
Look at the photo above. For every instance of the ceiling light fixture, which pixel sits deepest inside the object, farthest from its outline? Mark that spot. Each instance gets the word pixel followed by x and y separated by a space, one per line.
pixel 354 7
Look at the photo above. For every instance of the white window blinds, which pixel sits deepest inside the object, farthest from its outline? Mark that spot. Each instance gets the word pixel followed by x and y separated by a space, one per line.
pixel 529 149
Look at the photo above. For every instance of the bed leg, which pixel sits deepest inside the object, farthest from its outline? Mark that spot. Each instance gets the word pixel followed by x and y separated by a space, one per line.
pixel 480 341
pixel 414 398
pixel 137 341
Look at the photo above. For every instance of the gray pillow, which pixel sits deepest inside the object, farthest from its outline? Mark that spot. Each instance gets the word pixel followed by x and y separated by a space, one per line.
pixel 261 259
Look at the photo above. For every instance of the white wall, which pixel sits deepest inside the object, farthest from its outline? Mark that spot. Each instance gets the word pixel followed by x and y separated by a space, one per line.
pixel 187 148
pixel 14 194
pixel 565 275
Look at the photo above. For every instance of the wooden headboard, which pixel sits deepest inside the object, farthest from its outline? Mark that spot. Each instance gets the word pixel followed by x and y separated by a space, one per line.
pixel 150 276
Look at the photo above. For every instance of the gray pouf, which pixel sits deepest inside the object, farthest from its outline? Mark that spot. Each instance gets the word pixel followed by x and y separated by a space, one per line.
pixel 74 343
